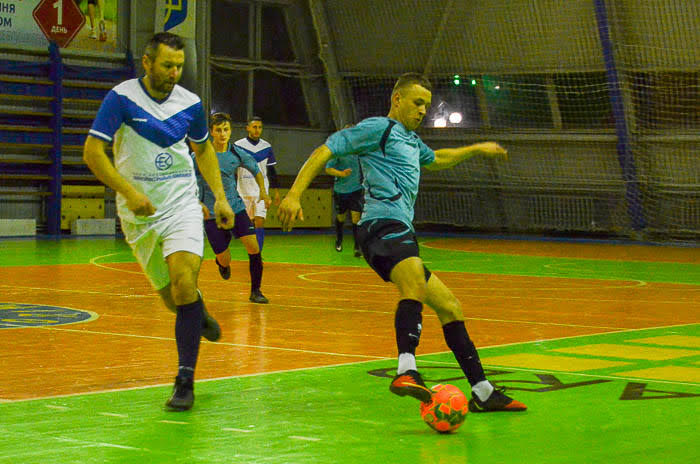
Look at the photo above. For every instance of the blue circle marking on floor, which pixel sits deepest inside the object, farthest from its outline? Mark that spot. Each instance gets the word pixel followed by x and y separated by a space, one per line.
pixel 15 315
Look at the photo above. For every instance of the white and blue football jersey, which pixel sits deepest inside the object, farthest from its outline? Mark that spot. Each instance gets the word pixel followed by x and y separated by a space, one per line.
pixel 149 144
pixel 262 153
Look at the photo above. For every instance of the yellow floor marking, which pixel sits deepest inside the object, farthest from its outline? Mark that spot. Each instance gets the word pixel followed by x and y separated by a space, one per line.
pixel 554 363
pixel 687 341
pixel 628 351
pixel 677 373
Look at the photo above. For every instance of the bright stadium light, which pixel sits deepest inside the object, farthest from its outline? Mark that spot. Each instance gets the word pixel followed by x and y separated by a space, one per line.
pixel 456 117
pixel 440 122
pixel 456 80
pixel 473 81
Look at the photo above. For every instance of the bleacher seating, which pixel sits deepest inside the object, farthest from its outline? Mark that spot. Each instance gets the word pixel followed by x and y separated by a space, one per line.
pixel 48 99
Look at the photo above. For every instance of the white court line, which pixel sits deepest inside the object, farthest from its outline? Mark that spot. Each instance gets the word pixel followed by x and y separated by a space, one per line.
pixel 230 429
pixel 94 262
pixel 325 308
pixel 459 291
pixel 96 443
pixel 14 458
pixel 329 353
pixel 297 437
pixel 52 451
pixel 240 345
pixel 329 366
pixel 112 445
pixel 635 282
pixel 112 414
pixel 60 408
pixel 165 421
pixel 427 241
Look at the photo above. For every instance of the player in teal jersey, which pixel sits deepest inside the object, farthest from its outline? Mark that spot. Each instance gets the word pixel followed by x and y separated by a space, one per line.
pixel 347 196
pixel 230 159
pixel 391 155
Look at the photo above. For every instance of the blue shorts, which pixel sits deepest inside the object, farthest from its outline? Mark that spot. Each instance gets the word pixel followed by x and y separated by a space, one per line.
pixel 385 243
pixel 219 239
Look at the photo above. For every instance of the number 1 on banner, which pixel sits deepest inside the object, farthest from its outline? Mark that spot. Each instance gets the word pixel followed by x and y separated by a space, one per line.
pixel 58 5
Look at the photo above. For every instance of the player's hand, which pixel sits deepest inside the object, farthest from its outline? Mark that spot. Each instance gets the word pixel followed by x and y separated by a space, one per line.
pixel 140 205
pixel 289 211
pixel 205 211
pixel 345 172
pixel 224 214
pixel 493 150
pixel 266 198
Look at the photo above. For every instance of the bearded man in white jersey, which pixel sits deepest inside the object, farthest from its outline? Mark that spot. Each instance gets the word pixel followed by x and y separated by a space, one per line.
pixel 149 121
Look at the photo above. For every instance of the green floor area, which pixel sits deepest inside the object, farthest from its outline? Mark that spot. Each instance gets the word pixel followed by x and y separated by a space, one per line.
pixel 627 397
pixel 316 249
pixel 345 414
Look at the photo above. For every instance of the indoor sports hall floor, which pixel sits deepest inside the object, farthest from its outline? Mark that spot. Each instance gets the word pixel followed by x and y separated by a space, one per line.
pixel 600 340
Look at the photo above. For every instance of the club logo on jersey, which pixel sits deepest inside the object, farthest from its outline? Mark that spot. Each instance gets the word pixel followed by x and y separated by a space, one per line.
pixel 164 161
pixel 16 315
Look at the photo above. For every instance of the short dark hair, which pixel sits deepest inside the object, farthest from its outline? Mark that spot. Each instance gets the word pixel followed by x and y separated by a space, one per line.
pixel 166 38
pixel 217 118
pixel 255 118
pixel 411 78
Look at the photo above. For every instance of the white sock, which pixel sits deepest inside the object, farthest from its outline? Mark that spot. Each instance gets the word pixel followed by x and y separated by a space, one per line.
pixel 407 362
pixel 483 390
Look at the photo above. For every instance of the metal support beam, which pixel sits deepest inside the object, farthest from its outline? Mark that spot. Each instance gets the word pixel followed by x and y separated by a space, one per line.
pixel 340 108
pixel 438 37
pixel 629 173
pixel 56 167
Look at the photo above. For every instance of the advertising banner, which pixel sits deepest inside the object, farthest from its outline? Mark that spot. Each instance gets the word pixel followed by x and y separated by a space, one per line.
pixel 74 24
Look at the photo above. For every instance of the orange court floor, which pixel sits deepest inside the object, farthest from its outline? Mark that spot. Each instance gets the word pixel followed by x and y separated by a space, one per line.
pixel 337 311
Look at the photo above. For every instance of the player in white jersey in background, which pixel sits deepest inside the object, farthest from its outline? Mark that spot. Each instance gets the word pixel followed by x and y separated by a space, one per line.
pixel 261 151
pixel 149 120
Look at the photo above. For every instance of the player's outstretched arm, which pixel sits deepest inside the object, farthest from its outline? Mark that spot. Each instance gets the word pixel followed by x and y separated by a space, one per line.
pixel 290 210
pixel 95 157
pixel 208 165
pixel 448 157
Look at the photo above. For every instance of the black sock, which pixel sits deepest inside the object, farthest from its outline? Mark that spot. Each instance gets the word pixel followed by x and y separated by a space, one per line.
pixel 408 325
pixel 464 350
pixel 188 330
pixel 338 231
pixel 354 236
pixel 256 268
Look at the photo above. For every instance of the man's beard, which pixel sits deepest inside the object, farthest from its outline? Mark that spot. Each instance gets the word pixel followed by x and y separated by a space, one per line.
pixel 162 85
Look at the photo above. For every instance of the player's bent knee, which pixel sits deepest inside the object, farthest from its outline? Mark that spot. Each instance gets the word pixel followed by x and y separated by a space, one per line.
pixel 414 289
pixel 250 242
pixel 183 288
pixel 449 311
